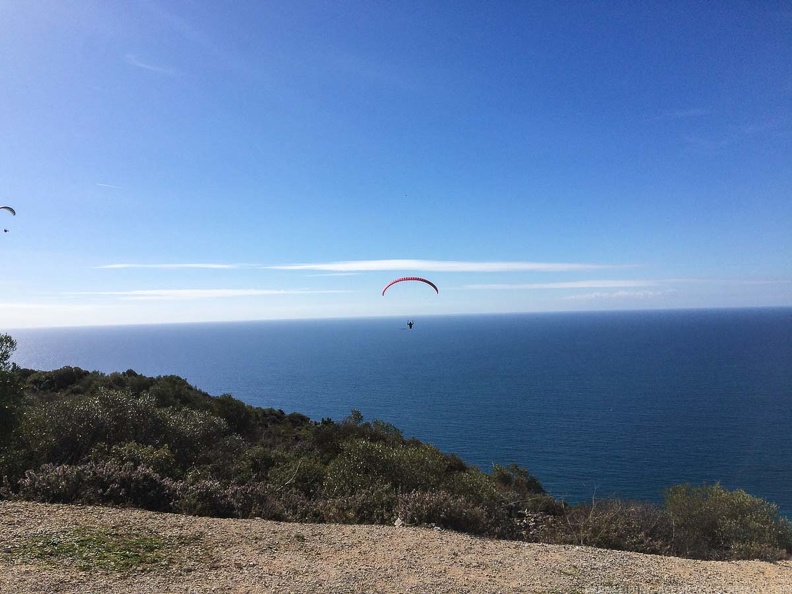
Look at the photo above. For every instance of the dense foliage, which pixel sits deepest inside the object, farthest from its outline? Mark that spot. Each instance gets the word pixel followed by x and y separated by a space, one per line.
pixel 73 436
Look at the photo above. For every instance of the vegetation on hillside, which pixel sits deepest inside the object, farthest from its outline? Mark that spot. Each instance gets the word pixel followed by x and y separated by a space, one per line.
pixel 74 436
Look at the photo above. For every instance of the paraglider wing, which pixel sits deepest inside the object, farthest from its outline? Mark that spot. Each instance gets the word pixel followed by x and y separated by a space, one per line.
pixel 9 209
pixel 410 278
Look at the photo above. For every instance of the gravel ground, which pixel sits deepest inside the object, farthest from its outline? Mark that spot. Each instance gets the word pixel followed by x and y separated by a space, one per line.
pixel 64 548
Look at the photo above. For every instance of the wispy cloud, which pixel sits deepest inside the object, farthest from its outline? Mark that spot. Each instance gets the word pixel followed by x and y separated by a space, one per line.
pixel 730 281
pixel 133 61
pixel 109 186
pixel 617 295
pixel 354 266
pixel 587 284
pixel 444 266
pixel 625 284
pixel 184 294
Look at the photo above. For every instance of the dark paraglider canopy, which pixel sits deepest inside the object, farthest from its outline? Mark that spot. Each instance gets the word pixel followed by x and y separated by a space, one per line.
pixel 410 278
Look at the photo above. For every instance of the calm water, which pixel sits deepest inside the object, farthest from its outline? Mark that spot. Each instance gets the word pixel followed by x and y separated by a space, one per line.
pixel 593 404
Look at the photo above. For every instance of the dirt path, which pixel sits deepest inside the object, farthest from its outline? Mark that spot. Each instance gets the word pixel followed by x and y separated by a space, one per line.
pixel 59 548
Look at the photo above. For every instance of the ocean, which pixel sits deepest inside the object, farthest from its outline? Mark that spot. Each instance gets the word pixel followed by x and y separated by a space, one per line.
pixel 593 404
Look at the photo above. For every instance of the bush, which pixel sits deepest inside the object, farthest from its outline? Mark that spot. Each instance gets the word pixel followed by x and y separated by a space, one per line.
pixel 256 500
pixel 298 507
pixel 98 484
pixel 303 474
pixel 67 429
pixel 160 460
pixel 374 505
pixel 52 484
pixel 190 432
pixel 711 522
pixel 253 464
pixel 444 510
pixel 516 480
pixel 329 438
pixel 66 379
pixel 473 485
pixel 616 524
pixel 532 526
pixel 363 464
pixel 204 498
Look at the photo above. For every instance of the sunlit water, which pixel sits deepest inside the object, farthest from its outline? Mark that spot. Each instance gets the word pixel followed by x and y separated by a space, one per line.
pixel 593 404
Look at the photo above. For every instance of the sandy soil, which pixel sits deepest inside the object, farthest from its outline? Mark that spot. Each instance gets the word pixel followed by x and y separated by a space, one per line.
pixel 216 555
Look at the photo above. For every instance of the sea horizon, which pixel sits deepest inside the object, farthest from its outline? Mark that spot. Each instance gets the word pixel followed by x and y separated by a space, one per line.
pixel 669 310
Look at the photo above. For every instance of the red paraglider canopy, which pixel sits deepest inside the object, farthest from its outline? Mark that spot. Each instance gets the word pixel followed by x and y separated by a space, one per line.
pixel 410 278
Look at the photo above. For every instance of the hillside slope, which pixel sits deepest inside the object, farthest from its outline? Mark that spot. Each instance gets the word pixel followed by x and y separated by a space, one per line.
pixel 69 548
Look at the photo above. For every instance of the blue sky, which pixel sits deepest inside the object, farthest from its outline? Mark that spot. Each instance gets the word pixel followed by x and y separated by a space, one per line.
pixel 179 161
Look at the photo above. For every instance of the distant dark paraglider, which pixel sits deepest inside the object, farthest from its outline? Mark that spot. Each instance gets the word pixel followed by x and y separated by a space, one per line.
pixel 9 209
pixel 410 278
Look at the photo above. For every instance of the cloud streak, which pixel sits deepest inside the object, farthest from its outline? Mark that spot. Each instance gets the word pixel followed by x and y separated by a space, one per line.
pixel 587 284
pixel 444 266
pixel 132 60
pixel 615 295
pixel 354 266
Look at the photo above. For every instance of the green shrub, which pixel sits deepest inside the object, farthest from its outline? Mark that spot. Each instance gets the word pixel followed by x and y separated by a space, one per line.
pixel 329 438
pixel 66 429
pixel 373 505
pixel 363 464
pixel 160 460
pixel 10 391
pixel 473 485
pixel 253 464
pixel 516 481
pixel 66 379
pixel 189 432
pixel 128 380
pixel 711 522
pixel 304 474
pixel 171 390
pixel 544 504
